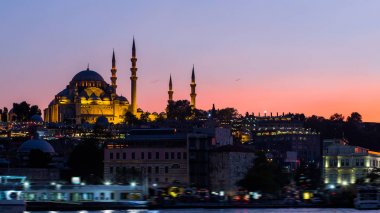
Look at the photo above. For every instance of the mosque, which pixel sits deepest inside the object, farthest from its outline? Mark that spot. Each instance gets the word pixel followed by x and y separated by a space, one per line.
pixel 88 96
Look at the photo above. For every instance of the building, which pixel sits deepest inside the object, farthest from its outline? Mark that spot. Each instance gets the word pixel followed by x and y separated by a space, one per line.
pixel 35 158
pixel 344 164
pixel 163 156
pixel 219 136
pixel 88 96
pixel 156 156
pixel 286 139
pixel 199 146
pixel 228 165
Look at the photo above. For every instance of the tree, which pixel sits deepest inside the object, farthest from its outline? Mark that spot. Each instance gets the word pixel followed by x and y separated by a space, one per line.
pixel 21 110
pixel 308 176
pixel 355 118
pixel 300 117
pixel 179 110
pixel 200 114
pixel 335 126
pixel 130 119
pixel 24 112
pixel 265 176
pixel 4 115
pixel 316 123
pixel 86 161
pixel 227 114
pixel 144 117
pixel 337 118
pixel 34 110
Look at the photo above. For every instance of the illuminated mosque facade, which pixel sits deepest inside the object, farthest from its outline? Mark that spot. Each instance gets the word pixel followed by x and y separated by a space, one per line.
pixel 88 96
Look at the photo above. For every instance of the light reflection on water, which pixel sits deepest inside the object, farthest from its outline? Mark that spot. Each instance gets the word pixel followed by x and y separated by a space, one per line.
pixel 287 210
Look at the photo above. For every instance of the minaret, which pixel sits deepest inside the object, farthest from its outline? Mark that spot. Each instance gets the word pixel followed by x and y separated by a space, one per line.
pixel 193 85
pixel 133 107
pixel 113 72
pixel 170 92
pixel 213 111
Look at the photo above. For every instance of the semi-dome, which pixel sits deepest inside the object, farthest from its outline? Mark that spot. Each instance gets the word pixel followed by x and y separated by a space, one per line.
pixel 94 97
pixel 122 98
pixel 39 144
pixel 87 75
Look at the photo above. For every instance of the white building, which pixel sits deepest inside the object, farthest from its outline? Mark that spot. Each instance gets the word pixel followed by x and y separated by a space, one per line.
pixel 344 164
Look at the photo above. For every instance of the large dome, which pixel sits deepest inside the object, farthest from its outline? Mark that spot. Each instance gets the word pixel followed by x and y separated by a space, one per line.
pixel 42 145
pixel 87 75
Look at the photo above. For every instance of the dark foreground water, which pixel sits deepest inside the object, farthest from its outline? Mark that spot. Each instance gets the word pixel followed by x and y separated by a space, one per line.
pixel 288 210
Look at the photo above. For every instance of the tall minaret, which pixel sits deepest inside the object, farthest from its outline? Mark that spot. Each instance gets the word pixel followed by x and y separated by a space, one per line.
pixel 170 92
pixel 193 85
pixel 133 107
pixel 113 72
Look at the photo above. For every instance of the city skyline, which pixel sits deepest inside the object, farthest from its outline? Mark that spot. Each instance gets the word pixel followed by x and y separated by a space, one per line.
pixel 308 58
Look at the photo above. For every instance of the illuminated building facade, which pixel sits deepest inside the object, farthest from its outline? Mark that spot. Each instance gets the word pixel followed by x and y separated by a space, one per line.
pixel 344 164
pixel 163 156
pixel 88 96
pixel 159 155
pixel 284 135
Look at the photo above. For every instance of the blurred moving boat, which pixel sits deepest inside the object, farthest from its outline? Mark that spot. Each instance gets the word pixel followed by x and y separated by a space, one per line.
pixel 78 197
pixel 11 194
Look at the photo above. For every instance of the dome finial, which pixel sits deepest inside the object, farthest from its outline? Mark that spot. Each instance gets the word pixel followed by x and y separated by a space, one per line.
pixel 88 66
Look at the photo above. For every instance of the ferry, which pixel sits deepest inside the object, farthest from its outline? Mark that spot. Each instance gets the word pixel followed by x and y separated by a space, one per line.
pixel 11 194
pixel 367 198
pixel 77 197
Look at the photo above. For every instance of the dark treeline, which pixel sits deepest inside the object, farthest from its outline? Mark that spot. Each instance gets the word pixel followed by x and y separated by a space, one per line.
pixel 351 128
pixel 20 112
pixel 180 112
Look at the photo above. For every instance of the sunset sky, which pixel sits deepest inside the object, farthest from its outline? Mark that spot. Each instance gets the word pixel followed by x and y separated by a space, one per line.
pixel 312 57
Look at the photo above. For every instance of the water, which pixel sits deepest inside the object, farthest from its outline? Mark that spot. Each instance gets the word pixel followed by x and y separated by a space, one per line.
pixel 287 210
